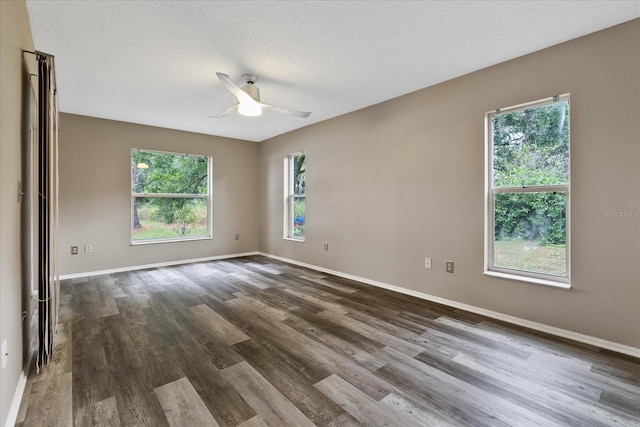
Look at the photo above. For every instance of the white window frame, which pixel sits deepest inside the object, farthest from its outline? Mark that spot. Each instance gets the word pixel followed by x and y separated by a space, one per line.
pixel 490 269
pixel 207 196
pixel 290 197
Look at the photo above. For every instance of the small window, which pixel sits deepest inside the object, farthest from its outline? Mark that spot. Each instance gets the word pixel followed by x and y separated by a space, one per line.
pixel 295 204
pixel 170 197
pixel 528 197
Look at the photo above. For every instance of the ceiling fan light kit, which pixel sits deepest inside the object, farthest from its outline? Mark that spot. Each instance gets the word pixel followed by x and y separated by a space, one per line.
pixel 248 96
pixel 250 109
pixel 245 106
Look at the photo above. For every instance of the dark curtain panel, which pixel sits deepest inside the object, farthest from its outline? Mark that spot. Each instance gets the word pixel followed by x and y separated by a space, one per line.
pixel 46 192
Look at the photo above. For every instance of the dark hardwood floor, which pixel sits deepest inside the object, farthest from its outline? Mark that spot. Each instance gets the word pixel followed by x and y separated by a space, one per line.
pixel 255 342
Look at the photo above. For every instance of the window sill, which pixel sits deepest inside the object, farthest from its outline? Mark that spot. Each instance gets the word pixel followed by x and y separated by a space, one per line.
pixel 291 239
pixel 533 280
pixel 155 241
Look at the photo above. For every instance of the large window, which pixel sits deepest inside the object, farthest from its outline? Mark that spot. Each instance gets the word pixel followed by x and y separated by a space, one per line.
pixel 528 193
pixel 295 172
pixel 170 196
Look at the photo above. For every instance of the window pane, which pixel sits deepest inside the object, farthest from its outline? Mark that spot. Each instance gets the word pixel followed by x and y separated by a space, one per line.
pixel 295 192
pixel 298 173
pixel 530 232
pixel 164 218
pixel 531 147
pixel 168 173
pixel 298 216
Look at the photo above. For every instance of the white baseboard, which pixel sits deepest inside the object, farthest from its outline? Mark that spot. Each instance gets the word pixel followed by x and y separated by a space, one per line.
pixel 155 265
pixel 12 416
pixel 564 333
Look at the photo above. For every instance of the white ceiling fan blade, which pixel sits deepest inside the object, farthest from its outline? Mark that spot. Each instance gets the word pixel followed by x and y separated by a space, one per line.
pixel 235 90
pixel 296 113
pixel 226 112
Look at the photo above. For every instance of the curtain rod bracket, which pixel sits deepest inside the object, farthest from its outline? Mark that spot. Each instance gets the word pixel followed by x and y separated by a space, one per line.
pixel 38 53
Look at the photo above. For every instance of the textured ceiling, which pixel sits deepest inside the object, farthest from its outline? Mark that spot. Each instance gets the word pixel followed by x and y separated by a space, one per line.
pixel 154 62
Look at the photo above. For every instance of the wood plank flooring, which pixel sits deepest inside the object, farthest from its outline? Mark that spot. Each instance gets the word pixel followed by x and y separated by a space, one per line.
pixel 255 342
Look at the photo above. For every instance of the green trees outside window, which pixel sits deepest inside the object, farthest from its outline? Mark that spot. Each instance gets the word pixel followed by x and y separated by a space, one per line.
pixel 170 196
pixel 296 203
pixel 529 188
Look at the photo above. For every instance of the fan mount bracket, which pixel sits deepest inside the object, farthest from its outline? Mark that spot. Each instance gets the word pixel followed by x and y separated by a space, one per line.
pixel 250 78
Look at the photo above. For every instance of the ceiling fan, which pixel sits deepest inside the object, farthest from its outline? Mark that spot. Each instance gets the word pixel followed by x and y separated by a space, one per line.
pixel 248 96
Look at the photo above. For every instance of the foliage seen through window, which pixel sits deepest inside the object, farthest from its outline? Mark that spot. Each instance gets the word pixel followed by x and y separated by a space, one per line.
pixel 170 195
pixel 529 188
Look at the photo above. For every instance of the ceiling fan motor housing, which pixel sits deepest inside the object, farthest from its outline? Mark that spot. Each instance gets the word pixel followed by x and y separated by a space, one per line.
pixel 252 90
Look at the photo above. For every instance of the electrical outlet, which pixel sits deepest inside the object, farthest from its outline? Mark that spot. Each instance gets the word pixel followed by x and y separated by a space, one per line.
pixel 237 236
pixel 449 266
pixel 5 354
pixel 74 250
pixel 326 246
pixel 88 248
pixel 427 263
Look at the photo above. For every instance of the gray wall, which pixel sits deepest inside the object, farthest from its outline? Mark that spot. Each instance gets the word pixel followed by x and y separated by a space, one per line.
pixel 15 35
pixel 397 182
pixel 95 202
